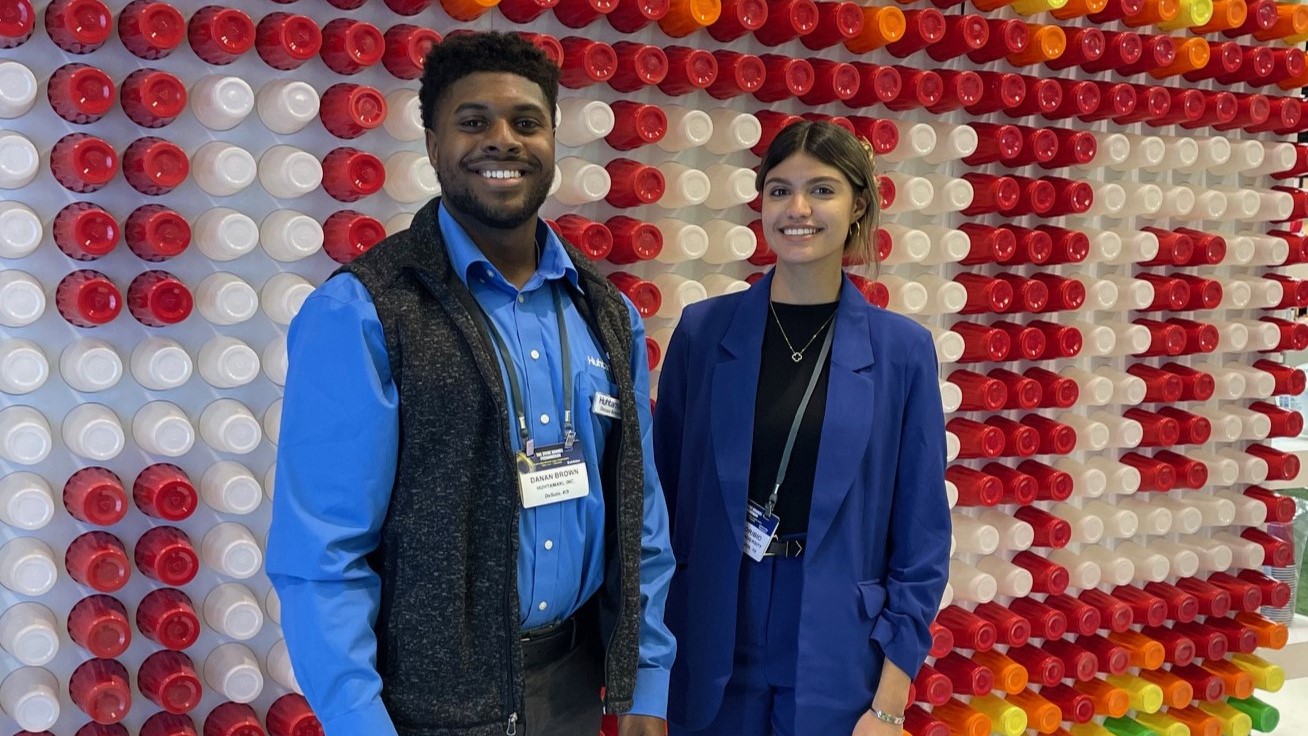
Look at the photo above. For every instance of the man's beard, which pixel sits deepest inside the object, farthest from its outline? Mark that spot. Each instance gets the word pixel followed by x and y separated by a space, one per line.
pixel 500 217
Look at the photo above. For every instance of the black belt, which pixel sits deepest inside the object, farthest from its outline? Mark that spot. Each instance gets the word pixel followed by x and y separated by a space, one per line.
pixel 549 643
pixel 785 548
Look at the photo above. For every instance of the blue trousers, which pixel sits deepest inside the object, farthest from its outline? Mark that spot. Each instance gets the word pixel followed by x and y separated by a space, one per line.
pixel 760 695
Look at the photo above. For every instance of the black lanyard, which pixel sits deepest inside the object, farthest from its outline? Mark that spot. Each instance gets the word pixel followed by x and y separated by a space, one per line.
pixel 799 416
pixel 515 387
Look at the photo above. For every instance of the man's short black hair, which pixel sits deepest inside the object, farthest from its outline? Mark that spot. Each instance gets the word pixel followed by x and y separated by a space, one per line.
pixel 468 53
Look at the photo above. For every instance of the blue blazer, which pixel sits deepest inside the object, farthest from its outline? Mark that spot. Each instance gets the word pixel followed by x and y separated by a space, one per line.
pixel 877 553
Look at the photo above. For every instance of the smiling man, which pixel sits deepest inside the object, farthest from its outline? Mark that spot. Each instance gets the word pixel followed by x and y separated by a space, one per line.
pixel 468 536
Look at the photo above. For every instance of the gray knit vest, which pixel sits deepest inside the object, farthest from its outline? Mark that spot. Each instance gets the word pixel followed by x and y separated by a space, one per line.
pixel 448 645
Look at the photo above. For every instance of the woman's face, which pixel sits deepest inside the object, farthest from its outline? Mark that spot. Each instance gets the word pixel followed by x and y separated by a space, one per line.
pixel 808 208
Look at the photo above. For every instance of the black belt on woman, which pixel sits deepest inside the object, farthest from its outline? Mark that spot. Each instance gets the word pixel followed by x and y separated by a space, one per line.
pixel 785 548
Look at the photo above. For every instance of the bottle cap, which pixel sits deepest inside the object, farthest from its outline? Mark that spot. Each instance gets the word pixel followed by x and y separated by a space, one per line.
pixel 153 98
pixel 233 611
pixel 17 24
pixel 350 110
pixel 290 715
pixel 163 491
pixel 151 30
pixel 233 719
pixel 219 35
pixel 157 233
pixel 80 93
pixel 155 166
pixel 100 689
pixel 98 560
pixel 157 298
pixel 80 162
pixel 288 172
pixel 406 49
pixel 348 234
pixel 98 623
pixel 350 46
pixel 167 617
pixel 168 679
pixel 78 26
pixel 96 496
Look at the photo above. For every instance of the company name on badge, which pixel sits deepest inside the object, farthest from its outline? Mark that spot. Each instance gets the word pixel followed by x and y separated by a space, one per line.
pixel 606 406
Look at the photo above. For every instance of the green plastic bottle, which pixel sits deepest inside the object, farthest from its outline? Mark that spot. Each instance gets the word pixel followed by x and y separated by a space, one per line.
pixel 1265 718
pixel 1128 727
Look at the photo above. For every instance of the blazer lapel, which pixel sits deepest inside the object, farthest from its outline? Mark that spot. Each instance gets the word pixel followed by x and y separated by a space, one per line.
pixel 735 388
pixel 847 426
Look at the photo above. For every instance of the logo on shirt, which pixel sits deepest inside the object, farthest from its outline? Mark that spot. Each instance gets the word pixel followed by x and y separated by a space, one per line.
pixel 597 363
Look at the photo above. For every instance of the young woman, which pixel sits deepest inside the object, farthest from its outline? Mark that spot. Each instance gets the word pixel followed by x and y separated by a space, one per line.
pixel 800 439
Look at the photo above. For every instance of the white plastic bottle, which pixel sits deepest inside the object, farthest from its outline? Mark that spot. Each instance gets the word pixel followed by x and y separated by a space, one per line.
pixel 30 633
pixel 227 425
pixel 583 121
pixel 26 501
pixel 162 428
pixel 94 432
pixel 227 362
pixel 160 364
pixel 23 366
pixel 221 102
pixel 287 105
pixel 403 115
pixel 228 487
pixel 222 169
pixel 287 172
pixel 223 234
pixel 283 295
pixel 27 567
pixel 231 550
pixel 21 230
pixel 232 670
pixel 232 610
pixel 581 181
pixel 30 696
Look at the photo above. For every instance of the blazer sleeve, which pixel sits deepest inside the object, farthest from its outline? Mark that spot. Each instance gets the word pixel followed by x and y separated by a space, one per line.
pixel 670 418
pixel 919 523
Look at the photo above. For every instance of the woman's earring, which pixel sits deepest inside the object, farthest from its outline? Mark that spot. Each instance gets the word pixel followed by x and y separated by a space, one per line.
pixel 856 230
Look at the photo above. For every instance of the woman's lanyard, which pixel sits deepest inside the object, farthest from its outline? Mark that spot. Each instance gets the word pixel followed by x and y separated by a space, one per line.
pixel 799 417
pixel 515 387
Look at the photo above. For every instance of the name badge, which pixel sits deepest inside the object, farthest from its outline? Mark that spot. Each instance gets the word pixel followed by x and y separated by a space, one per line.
pixel 553 474
pixel 606 406
pixel 760 529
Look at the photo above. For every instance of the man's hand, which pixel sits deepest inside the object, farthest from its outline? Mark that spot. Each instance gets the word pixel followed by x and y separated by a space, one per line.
pixel 642 726
pixel 870 725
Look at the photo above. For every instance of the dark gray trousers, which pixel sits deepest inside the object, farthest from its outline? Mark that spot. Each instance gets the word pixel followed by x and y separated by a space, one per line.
pixel 563 692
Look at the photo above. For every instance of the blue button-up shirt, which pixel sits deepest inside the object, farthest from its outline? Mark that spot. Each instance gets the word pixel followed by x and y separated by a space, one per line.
pixel 336 466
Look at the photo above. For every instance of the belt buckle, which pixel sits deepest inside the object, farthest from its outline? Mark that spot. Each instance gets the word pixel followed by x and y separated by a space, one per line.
pixel 785 548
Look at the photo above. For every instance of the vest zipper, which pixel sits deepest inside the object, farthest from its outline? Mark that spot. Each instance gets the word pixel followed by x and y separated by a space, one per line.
pixel 513 725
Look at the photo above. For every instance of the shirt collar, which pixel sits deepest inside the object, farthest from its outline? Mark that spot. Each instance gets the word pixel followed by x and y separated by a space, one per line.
pixel 466 258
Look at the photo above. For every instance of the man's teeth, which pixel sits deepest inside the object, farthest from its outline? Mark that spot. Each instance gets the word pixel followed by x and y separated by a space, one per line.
pixel 798 231
pixel 502 174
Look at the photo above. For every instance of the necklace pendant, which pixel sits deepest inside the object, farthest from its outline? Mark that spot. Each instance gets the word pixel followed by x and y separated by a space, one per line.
pixel 796 356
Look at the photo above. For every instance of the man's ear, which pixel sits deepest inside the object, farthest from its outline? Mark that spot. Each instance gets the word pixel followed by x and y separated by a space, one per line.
pixel 431 146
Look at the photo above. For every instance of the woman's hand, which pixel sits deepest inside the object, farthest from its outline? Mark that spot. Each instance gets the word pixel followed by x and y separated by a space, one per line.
pixel 870 725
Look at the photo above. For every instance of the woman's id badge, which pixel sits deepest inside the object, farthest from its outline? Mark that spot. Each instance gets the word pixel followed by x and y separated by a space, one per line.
pixel 552 474
pixel 760 529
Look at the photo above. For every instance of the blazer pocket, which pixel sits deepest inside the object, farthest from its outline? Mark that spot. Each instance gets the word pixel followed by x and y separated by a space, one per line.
pixel 874 597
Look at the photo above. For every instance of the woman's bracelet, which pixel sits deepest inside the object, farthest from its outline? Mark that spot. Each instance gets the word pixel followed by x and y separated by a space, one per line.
pixel 886 717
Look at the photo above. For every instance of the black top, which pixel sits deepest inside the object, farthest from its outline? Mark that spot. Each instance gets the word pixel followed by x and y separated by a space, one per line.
pixel 781 385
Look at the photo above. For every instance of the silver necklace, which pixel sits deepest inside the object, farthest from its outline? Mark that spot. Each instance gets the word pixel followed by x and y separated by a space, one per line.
pixel 798 355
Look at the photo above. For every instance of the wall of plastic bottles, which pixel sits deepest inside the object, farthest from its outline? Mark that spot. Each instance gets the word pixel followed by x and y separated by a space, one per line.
pixel 1085 200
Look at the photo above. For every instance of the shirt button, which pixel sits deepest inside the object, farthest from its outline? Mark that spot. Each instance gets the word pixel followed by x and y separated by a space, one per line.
pixel 522 298
pixel 535 355
pixel 543 605
pixel 544 418
pixel 549 544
